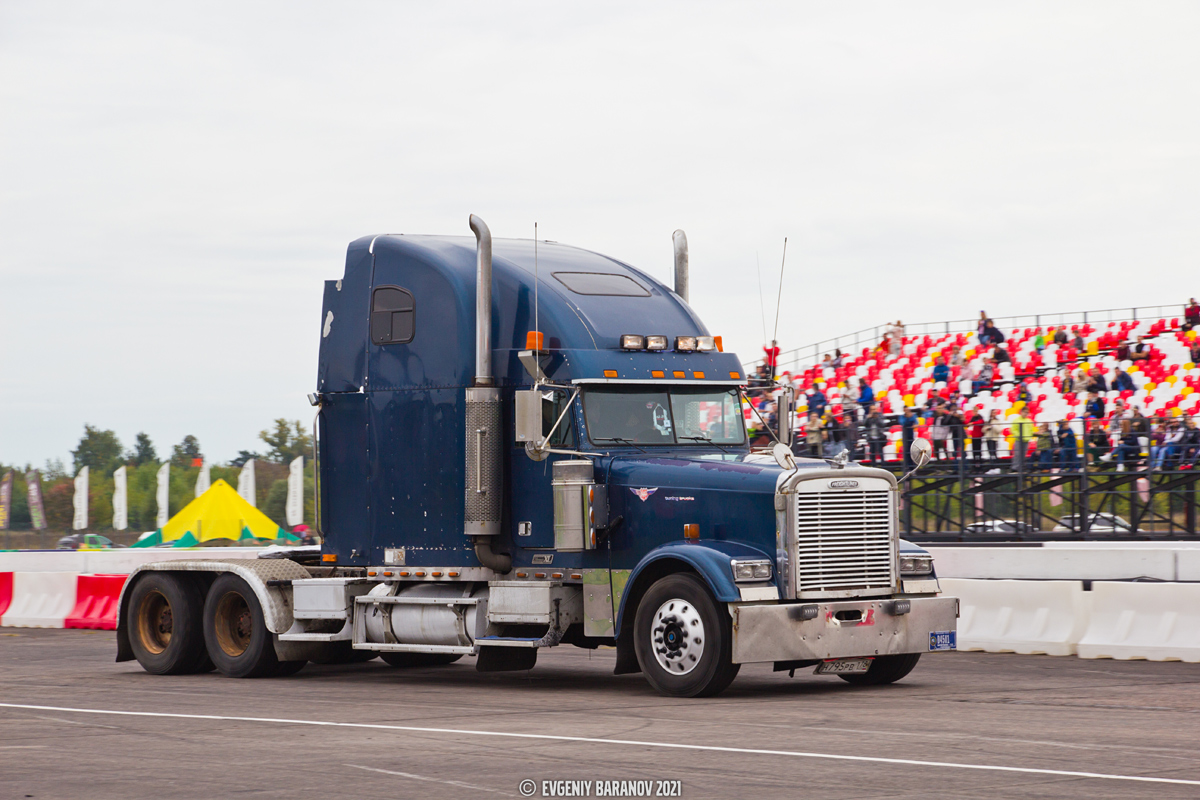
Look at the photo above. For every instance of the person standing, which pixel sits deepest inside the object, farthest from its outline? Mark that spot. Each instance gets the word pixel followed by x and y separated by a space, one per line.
pixel 814 435
pixel 876 435
pixel 1191 315
pixel 957 431
pixel 897 338
pixel 772 358
pixel 908 433
pixel 1025 432
pixel 993 434
pixel 1067 446
pixel 975 426
pixel 866 396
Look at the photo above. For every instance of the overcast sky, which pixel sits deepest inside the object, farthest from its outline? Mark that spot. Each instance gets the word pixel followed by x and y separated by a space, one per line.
pixel 176 182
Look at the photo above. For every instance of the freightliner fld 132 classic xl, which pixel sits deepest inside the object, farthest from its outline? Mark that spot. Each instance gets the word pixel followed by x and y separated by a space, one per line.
pixel 523 445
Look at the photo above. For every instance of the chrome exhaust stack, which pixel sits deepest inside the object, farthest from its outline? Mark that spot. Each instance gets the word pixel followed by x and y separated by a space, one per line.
pixel 483 467
pixel 681 264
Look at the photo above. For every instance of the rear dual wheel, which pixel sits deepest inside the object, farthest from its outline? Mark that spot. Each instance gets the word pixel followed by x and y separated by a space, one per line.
pixel 164 624
pixel 236 634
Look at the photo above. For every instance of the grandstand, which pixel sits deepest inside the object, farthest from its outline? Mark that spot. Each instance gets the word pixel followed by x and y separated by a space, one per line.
pixel 1166 382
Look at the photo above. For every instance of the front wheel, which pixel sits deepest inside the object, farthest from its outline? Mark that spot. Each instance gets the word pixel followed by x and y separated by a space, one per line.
pixel 683 640
pixel 884 669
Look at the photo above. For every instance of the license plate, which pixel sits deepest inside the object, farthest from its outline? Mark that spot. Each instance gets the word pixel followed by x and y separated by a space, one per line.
pixel 844 666
pixel 943 640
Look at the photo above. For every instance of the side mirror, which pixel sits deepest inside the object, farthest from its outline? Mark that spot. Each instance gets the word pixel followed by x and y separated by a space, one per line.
pixel 920 452
pixel 783 456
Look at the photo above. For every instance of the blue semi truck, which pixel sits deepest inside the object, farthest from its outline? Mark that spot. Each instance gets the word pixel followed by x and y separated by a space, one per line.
pixel 523 445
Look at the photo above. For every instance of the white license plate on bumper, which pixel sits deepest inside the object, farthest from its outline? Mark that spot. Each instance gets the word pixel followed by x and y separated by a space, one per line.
pixel 844 666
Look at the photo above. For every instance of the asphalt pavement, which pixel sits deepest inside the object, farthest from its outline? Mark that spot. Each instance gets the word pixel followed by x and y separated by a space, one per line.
pixel 966 725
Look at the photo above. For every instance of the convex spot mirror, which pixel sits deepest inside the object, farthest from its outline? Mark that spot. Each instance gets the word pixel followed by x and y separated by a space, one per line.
pixel 783 456
pixel 920 452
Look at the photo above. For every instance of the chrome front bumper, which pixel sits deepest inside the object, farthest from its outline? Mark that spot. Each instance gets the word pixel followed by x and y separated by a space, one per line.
pixel 779 632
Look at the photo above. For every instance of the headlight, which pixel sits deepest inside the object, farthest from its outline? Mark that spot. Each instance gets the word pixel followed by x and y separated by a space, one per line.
pixel 916 564
pixel 753 570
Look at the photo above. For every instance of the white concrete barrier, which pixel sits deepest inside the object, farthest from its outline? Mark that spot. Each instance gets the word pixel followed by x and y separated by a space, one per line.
pixel 1055 563
pixel 1152 621
pixel 40 599
pixel 119 561
pixel 1187 565
pixel 1009 616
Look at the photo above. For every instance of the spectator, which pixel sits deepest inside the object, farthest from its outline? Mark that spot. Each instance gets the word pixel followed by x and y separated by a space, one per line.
pixel 827 362
pixel 838 360
pixel 772 359
pixel 866 396
pixel 1096 382
pixel 1068 382
pixel 991 334
pixel 975 425
pixel 1191 315
pixel 817 401
pixel 1190 445
pixel 835 435
pixel 1001 356
pixel 876 435
pixel 941 373
pixel 939 432
pixel 1026 433
pixel 1039 344
pixel 981 326
pixel 1097 441
pixel 908 432
pixel 1129 449
pixel 1060 336
pixel 1121 381
pixel 1095 405
pixel 814 435
pixel 897 338
pixel 1023 393
pixel 985 377
pixel 1045 447
pixel 993 434
pixel 1158 445
pixel 1138 423
pixel 1067 446
pixel 966 375
pixel 1077 342
pixel 1140 351
pixel 957 359
pixel 1122 351
pixel 957 430
pixel 1194 351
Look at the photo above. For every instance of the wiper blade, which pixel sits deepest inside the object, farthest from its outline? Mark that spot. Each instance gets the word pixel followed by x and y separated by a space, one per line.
pixel 706 440
pixel 618 440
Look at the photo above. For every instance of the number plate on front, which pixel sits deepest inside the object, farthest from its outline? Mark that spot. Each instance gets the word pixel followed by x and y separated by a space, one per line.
pixel 844 666
pixel 943 640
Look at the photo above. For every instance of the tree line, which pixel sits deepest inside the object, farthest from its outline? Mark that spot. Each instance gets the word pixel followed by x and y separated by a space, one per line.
pixel 102 453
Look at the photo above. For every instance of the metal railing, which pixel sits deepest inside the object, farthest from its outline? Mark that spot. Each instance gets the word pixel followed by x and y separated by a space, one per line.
pixel 809 354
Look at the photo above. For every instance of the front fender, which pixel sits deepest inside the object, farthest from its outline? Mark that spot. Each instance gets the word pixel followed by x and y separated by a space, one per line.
pixel 710 559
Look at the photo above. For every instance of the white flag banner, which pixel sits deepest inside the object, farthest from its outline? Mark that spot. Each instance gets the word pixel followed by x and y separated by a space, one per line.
pixel 246 487
pixel 81 500
pixel 295 495
pixel 163 495
pixel 202 480
pixel 120 501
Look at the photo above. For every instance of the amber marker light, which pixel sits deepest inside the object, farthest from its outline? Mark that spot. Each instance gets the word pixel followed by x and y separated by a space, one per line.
pixel 720 344
pixel 387 574
pixel 698 375
pixel 610 373
pixel 737 376
pixel 522 574
pixel 691 531
pixel 451 574
pixel 555 574
pixel 421 574
pixel 329 558
pixel 657 373
pixel 405 574
pixel 437 574
pixel 576 576
pixel 533 340
pixel 679 373
pixel 539 574
pixel 372 574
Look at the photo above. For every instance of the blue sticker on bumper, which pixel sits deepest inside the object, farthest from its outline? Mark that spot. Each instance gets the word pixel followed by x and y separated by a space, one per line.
pixel 943 640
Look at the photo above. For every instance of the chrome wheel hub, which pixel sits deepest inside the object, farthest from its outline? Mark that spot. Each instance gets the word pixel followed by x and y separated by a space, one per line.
pixel 677 636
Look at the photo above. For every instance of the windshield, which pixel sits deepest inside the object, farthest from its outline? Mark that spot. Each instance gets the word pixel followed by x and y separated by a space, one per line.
pixel 656 416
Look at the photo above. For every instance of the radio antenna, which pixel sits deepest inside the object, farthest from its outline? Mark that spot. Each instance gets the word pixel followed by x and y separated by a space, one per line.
pixel 779 298
pixel 535 282
pixel 761 308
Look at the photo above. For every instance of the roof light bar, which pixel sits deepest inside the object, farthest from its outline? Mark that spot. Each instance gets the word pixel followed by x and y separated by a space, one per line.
pixel 706 344
pixel 685 344
pixel 632 341
pixel 656 342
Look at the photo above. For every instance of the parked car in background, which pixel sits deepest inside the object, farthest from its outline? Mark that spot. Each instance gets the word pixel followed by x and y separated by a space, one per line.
pixel 86 541
pixel 1097 523
pixel 993 526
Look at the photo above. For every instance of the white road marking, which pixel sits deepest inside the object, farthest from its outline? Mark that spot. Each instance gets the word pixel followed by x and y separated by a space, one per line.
pixel 24 746
pixel 460 784
pixel 1062 773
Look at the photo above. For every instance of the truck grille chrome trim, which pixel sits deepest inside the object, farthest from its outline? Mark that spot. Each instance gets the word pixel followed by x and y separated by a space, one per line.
pixel 845 541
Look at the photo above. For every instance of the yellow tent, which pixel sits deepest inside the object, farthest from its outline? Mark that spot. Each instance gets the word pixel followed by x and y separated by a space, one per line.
pixel 219 513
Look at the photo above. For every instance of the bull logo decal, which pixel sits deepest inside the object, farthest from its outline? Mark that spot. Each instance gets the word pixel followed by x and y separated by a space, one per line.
pixel 643 494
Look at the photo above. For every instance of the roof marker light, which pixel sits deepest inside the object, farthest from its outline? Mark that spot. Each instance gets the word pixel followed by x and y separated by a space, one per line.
pixel 656 373
pixel 685 344
pixel 632 341
pixel 610 373
pixel 656 342
pixel 679 373
pixel 691 531
pixel 720 345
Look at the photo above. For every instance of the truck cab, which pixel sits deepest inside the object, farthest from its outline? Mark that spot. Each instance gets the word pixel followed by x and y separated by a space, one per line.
pixel 524 444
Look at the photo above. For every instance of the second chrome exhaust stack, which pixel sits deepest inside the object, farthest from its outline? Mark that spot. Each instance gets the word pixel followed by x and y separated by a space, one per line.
pixel 681 264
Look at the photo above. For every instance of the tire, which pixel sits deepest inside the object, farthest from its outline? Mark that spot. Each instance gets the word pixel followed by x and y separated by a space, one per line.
pixel 235 633
pixel 404 660
pixel 164 624
pixel 676 605
pixel 884 669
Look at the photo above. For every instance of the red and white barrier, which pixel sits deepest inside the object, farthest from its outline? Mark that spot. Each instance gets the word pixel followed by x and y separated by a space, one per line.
pixel 59 600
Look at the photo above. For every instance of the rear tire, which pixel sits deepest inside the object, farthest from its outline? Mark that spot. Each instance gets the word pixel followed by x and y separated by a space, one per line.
pixel 164 624
pixel 405 660
pixel 884 669
pixel 235 632
pixel 683 640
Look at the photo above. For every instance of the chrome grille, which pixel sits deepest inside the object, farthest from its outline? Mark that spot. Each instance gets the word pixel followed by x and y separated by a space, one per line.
pixel 844 541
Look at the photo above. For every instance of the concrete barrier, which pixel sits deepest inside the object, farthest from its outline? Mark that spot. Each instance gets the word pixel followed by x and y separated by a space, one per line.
pixel 1152 621
pixel 1083 563
pixel 40 599
pixel 1009 616
pixel 118 561
pixel 6 579
pixel 96 598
